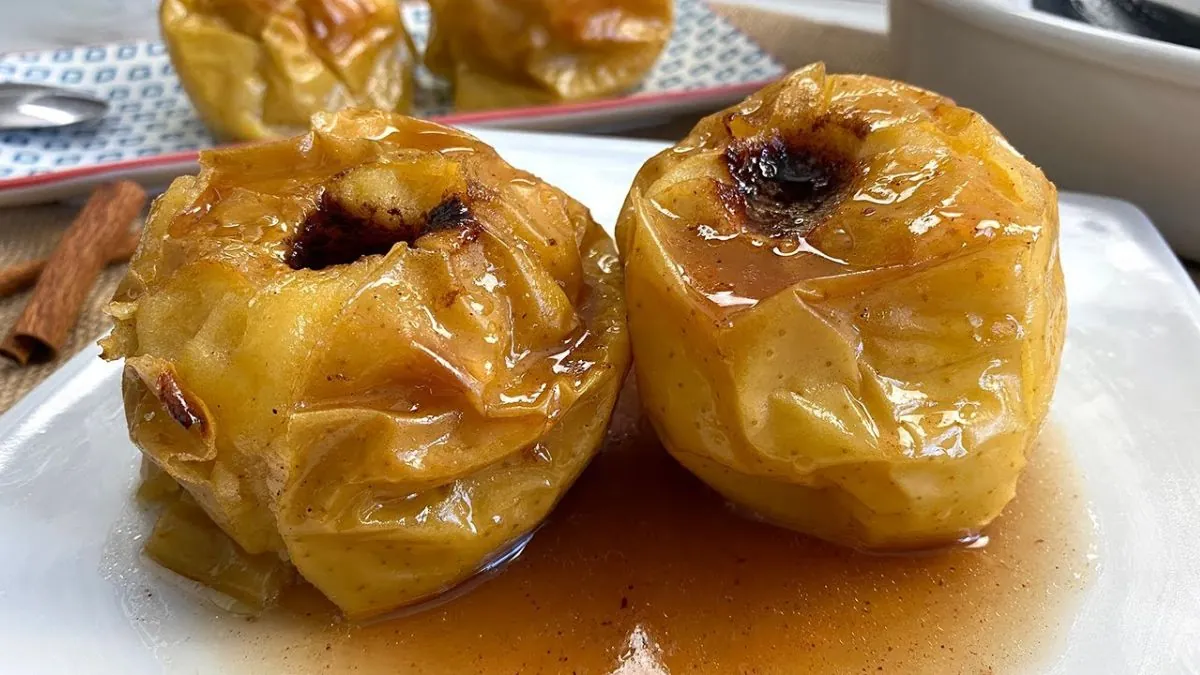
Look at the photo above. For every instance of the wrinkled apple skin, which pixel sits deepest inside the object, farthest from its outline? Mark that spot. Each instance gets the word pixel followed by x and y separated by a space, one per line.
pixel 847 308
pixel 520 53
pixel 258 69
pixel 376 350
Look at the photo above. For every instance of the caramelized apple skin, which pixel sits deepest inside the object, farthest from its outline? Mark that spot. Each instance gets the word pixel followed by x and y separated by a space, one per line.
pixel 258 69
pixel 847 308
pixel 533 52
pixel 386 417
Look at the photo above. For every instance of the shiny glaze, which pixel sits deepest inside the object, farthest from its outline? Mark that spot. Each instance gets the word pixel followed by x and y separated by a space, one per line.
pixel 257 69
pixel 644 570
pixel 505 54
pixel 847 308
pixel 837 176
pixel 377 352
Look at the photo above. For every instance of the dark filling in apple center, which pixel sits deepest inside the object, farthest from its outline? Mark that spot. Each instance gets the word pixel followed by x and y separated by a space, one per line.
pixel 336 234
pixel 783 189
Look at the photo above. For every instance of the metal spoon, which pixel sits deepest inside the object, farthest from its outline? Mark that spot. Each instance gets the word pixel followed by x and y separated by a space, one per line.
pixel 35 106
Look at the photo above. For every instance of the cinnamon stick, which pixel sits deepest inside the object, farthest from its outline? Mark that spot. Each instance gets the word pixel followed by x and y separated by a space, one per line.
pixel 70 272
pixel 18 277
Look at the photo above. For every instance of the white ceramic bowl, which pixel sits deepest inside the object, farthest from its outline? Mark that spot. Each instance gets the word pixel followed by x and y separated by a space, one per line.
pixel 1098 110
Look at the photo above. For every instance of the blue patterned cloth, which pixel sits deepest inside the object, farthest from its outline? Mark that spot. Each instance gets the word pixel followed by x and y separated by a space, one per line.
pixel 151 114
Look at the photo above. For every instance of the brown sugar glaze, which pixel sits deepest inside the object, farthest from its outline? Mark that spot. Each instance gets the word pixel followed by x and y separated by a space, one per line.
pixel 643 570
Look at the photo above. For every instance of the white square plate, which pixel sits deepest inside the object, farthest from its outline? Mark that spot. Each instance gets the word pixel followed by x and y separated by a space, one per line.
pixel 72 586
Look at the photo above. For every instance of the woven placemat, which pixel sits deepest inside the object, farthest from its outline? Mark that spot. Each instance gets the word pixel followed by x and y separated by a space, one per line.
pixel 26 234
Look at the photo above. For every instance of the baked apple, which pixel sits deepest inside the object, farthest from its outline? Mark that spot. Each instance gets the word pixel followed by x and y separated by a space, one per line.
pixel 533 52
pixel 260 68
pixel 376 351
pixel 847 308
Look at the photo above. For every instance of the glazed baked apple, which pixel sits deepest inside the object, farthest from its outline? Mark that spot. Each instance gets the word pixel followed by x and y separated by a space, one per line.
pixel 534 52
pixel 260 68
pixel 377 352
pixel 847 308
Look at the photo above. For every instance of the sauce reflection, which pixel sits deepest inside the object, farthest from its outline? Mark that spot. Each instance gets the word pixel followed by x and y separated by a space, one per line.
pixel 642 655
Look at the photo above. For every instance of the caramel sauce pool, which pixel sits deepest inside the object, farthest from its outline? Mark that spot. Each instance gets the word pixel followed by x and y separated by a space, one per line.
pixel 643 570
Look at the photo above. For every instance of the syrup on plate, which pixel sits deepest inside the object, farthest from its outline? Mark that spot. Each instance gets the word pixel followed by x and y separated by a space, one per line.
pixel 642 569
